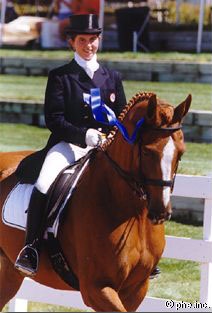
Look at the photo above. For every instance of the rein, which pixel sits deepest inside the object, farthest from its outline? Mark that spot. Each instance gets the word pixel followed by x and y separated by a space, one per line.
pixel 135 184
pixel 138 184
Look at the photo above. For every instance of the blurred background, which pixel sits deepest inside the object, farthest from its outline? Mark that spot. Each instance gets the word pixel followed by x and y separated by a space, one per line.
pixel 147 25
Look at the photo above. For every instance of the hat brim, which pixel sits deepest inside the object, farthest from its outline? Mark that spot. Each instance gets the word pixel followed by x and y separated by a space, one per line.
pixel 70 31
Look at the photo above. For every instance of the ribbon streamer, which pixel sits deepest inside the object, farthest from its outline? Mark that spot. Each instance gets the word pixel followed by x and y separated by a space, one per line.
pixel 103 114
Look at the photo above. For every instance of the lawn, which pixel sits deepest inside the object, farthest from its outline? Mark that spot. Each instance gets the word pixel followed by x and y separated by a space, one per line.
pixel 33 88
pixel 110 56
pixel 196 160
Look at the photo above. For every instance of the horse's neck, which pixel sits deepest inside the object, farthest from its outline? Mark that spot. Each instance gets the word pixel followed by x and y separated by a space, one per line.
pixel 120 152
pixel 121 194
pixel 124 210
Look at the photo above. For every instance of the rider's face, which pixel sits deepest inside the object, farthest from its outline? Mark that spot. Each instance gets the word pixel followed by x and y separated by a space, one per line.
pixel 85 45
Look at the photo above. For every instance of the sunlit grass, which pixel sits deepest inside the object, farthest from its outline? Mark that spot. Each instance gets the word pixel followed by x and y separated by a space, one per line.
pixel 174 93
pixel 33 88
pixel 180 280
pixel 110 56
pixel 196 160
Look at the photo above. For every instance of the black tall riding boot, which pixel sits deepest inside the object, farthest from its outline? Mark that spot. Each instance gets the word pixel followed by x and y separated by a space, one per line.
pixel 28 258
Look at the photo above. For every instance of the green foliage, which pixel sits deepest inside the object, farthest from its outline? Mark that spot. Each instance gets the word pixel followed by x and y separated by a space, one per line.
pixel 189 13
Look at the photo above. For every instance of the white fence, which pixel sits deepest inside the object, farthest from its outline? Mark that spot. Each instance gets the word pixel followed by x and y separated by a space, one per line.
pixel 177 248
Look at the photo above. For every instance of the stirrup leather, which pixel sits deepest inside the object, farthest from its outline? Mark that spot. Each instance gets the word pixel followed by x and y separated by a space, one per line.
pixel 27 261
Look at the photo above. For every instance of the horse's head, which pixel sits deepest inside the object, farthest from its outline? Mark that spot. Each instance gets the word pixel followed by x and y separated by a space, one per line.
pixel 160 146
pixel 149 165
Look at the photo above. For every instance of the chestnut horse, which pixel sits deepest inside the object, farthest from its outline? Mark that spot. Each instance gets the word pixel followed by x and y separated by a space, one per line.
pixel 113 234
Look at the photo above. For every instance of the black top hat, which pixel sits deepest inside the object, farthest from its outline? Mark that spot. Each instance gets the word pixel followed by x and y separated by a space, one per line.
pixel 83 24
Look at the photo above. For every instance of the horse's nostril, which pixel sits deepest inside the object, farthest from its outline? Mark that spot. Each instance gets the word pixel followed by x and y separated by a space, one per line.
pixel 158 218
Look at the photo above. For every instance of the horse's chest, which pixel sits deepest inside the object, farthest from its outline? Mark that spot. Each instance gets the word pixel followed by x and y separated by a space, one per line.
pixel 135 265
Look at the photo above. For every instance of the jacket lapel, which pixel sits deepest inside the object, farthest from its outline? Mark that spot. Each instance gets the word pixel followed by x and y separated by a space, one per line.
pixel 78 74
pixel 100 76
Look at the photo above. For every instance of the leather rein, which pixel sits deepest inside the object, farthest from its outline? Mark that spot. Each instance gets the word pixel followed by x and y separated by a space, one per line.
pixel 138 185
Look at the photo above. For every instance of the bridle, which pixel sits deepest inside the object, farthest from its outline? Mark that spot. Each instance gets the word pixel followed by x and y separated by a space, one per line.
pixel 138 185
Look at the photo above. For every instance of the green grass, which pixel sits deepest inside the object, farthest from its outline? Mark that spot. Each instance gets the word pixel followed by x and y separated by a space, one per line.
pixel 16 137
pixel 175 93
pixel 37 307
pixel 110 56
pixel 179 280
pixel 45 307
pixel 22 87
pixel 33 88
pixel 196 160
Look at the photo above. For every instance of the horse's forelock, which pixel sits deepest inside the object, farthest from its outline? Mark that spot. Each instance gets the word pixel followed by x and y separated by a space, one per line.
pixel 165 114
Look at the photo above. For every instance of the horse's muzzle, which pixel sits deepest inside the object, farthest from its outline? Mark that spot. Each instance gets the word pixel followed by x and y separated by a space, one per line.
pixel 159 218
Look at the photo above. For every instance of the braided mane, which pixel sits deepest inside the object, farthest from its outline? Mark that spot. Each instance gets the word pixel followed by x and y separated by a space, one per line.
pixel 139 97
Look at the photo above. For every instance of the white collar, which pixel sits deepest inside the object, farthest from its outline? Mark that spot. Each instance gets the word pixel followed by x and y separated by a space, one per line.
pixel 89 66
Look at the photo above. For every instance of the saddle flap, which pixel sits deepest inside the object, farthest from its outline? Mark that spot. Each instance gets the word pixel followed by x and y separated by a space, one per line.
pixel 62 189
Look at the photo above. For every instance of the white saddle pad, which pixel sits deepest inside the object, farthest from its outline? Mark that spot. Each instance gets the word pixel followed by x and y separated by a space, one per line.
pixel 14 209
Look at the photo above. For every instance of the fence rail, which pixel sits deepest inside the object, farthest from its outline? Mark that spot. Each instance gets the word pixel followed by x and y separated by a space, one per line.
pixel 176 247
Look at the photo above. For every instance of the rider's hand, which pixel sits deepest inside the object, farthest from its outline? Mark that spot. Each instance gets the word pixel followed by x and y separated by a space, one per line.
pixel 93 137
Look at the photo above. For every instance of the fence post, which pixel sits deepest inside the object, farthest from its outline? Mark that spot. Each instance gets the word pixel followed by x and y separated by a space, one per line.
pixel 206 268
pixel 18 305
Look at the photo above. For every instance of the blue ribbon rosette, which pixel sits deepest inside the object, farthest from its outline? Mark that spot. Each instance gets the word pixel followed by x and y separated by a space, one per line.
pixel 103 114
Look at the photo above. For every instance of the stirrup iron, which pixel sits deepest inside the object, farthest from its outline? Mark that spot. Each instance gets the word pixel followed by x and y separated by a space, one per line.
pixel 27 269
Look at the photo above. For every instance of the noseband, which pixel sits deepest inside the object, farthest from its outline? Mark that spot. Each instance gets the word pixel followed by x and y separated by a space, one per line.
pixel 138 185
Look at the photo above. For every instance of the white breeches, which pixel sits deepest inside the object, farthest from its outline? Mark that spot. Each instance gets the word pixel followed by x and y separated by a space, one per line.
pixel 57 158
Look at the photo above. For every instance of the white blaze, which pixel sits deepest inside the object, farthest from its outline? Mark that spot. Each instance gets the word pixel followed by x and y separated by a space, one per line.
pixel 166 166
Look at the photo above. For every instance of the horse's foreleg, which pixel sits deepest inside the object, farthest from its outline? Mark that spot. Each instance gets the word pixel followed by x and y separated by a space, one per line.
pixel 133 296
pixel 103 299
pixel 10 280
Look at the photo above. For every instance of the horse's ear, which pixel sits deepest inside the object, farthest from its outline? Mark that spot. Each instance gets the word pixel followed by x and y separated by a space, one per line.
pixel 151 109
pixel 182 109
